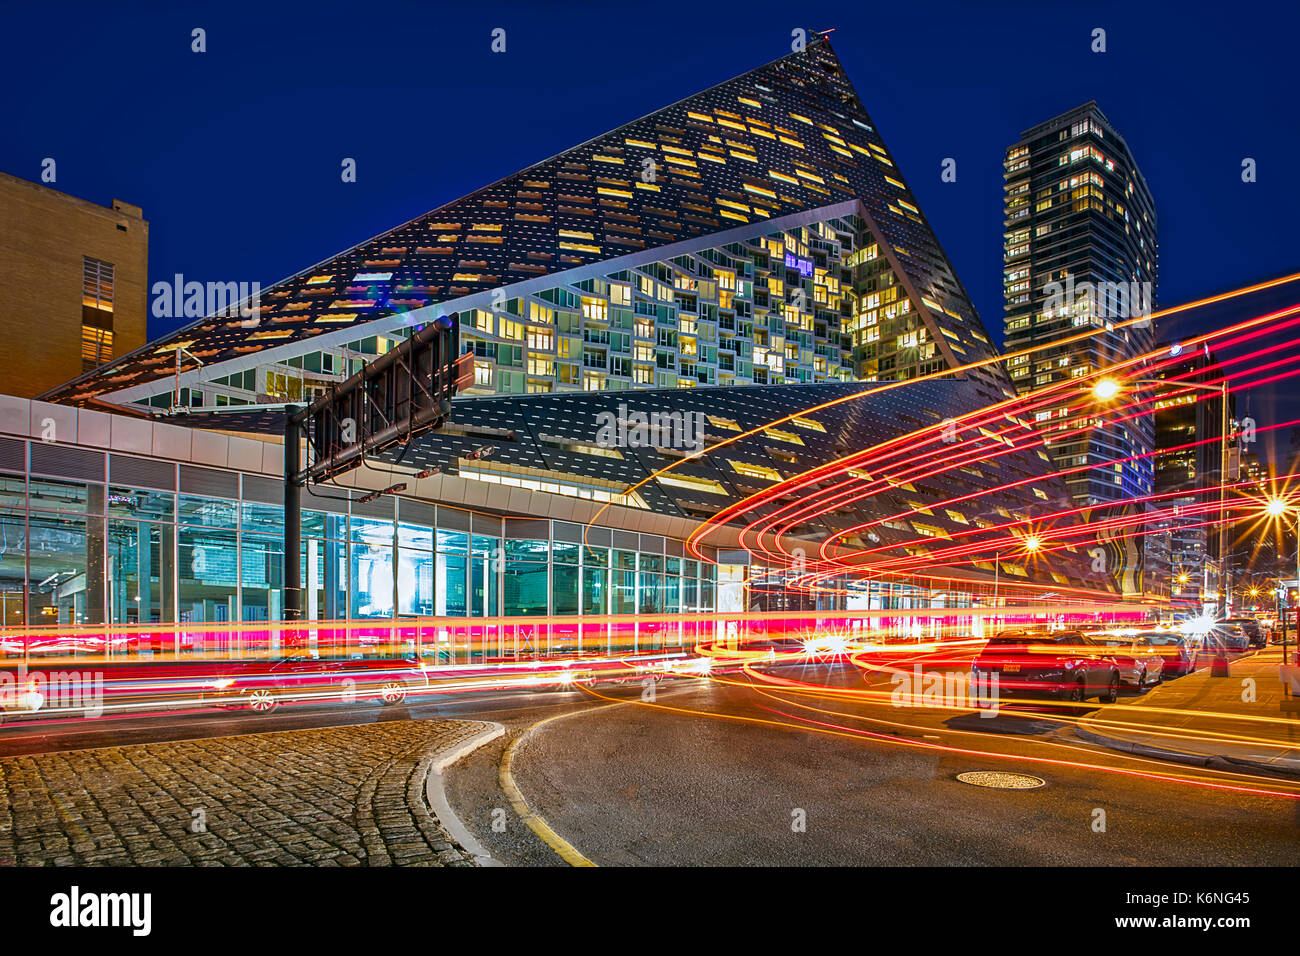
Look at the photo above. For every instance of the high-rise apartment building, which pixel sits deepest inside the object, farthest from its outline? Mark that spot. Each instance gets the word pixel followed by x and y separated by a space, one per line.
pixel 1189 465
pixel 73 283
pixel 1080 254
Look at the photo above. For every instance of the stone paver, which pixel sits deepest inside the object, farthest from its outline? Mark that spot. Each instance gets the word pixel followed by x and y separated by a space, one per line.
pixel 343 796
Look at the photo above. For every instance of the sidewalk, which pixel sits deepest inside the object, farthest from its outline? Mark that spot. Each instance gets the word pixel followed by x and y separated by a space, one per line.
pixel 1208 721
pixel 341 796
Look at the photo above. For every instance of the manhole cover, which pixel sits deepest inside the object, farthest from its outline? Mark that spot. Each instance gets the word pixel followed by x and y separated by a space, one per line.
pixel 1001 781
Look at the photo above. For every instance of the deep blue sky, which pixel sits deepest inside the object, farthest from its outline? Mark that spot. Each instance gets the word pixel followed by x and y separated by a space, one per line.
pixel 234 154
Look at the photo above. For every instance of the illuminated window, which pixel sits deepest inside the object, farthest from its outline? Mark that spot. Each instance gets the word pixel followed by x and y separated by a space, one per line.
pixel 755 471
pixel 96 312
pixel 555 483
pixel 96 346
pixel 579 447
pixel 809 424
pixel 96 284
pixel 929 531
pixel 778 435
pixel 691 483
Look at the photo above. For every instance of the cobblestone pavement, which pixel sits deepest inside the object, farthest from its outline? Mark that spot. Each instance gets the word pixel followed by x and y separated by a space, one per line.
pixel 343 796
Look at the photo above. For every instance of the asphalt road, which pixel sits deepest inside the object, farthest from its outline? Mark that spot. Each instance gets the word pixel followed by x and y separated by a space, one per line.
pixel 717 774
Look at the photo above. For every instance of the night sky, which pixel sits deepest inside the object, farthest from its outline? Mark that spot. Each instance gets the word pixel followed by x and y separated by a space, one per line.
pixel 235 153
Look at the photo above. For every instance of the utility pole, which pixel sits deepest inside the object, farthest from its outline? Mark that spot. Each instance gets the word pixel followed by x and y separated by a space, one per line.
pixel 997 565
pixel 399 396
pixel 1297 584
pixel 1223 477
pixel 176 392
pixel 293 434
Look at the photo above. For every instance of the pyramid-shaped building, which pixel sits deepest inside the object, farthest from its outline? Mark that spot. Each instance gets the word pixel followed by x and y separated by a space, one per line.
pixel 758 232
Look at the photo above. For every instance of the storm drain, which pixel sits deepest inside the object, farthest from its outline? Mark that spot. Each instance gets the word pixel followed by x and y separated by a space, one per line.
pixel 1000 780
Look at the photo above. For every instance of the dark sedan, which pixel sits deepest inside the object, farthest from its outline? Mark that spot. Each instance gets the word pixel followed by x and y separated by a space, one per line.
pixel 1057 665
pixel 1254 633
pixel 1230 635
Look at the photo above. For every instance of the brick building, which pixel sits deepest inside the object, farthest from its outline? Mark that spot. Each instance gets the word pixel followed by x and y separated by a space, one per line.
pixel 73 284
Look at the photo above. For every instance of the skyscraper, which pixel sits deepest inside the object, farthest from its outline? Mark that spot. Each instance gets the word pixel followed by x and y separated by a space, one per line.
pixel 1080 254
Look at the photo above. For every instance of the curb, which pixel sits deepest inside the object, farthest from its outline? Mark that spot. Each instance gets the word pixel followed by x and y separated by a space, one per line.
pixel 435 793
pixel 1209 761
pixel 562 847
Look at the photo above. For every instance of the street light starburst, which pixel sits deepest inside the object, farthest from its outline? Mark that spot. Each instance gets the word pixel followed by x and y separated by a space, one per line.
pixel 1106 389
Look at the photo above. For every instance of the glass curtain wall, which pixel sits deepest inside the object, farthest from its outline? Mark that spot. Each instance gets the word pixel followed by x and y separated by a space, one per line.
pixel 81 553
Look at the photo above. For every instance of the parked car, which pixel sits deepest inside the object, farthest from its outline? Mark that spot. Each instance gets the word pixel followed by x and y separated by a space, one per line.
pixel 1058 665
pixel 22 698
pixel 1254 633
pixel 264 685
pixel 1230 634
pixel 1177 653
pixel 1139 665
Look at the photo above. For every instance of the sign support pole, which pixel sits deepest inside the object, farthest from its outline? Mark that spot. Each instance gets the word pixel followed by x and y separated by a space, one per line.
pixel 292 514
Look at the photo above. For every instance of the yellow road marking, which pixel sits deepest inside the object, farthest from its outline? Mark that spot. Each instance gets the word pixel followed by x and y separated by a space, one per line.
pixel 566 850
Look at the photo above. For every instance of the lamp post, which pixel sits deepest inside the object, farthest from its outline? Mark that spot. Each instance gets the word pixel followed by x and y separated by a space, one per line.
pixel 1280 602
pixel 1177 590
pixel 1278 508
pixel 176 394
pixel 1106 389
pixel 997 567
pixel 1032 544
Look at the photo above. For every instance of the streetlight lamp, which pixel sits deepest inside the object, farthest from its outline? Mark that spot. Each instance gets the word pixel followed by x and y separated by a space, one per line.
pixel 1031 543
pixel 1106 389
pixel 1279 508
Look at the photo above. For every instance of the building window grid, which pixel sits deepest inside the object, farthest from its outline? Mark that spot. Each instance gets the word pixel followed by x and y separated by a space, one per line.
pixel 181 534
pixel 653 305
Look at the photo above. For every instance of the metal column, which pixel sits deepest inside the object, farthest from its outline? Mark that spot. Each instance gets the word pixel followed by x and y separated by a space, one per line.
pixel 292 599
